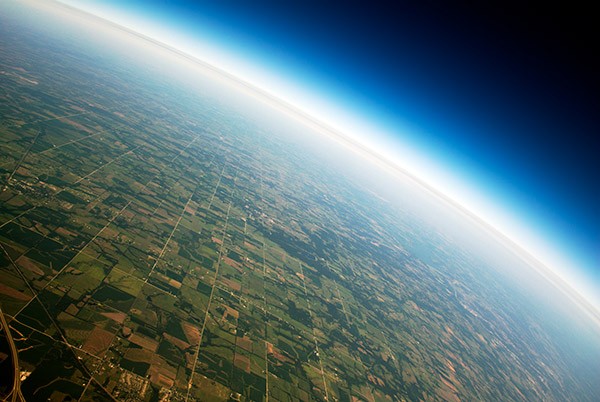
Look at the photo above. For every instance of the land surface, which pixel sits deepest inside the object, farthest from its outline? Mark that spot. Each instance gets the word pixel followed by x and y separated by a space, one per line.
pixel 158 244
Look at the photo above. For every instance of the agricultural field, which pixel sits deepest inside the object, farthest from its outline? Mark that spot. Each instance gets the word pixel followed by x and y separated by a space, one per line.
pixel 159 244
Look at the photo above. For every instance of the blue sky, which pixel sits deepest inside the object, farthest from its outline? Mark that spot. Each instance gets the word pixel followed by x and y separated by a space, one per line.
pixel 495 104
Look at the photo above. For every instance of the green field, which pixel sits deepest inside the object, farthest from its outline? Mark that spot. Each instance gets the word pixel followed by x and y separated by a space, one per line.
pixel 157 242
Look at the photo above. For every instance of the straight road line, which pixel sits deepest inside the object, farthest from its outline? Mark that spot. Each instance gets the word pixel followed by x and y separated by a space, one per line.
pixel 106 164
pixel 50 119
pixel 170 236
pixel 60 332
pixel 212 291
pixel 36 294
pixel 262 196
pixel 17 217
pixel 313 331
pixel 18 165
pixel 75 141
pixel 70 345
pixel 75 256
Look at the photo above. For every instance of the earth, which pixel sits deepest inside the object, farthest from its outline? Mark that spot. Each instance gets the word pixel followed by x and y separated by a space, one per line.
pixel 167 234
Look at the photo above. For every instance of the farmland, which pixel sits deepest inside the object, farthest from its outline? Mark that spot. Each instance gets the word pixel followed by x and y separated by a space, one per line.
pixel 160 244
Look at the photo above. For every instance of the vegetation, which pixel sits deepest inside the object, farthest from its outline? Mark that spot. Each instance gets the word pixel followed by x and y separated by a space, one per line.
pixel 157 244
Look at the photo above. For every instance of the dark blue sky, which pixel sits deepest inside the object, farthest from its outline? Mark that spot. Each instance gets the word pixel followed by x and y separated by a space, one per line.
pixel 505 93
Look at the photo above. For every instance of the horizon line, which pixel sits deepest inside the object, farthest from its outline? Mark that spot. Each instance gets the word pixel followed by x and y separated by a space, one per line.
pixel 544 270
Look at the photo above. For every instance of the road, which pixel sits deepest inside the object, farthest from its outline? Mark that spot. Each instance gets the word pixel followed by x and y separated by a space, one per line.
pixel 18 165
pixel 15 394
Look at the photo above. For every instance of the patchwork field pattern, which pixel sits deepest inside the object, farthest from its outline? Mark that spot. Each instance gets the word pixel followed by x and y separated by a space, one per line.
pixel 156 244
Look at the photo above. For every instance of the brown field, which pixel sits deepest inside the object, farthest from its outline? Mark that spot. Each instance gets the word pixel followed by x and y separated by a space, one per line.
pixel 242 362
pixel 278 355
pixel 15 294
pixel 161 371
pixel 144 342
pixel 118 317
pixel 77 125
pixel 39 228
pixel 65 232
pixel 98 341
pixel 176 341
pixel 161 380
pixel 192 333
pixel 447 391
pixel 230 312
pixel 205 386
pixel 233 285
pixel 245 343
pixel 140 355
pixel 29 265
pixel 72 309
pixel 110 233
pixel 232 263
pixel 16 202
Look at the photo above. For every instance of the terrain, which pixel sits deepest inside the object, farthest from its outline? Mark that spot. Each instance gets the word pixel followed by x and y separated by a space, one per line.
pixel 159 243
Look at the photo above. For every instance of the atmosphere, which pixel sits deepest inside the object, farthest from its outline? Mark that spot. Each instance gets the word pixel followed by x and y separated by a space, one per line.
pixel 491 106
pixel 297 201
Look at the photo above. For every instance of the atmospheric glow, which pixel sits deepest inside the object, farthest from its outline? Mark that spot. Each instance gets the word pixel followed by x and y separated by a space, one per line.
pixel 415 159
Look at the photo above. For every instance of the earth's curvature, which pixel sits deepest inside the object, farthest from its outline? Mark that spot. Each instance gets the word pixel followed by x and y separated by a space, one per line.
pixel 168 235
